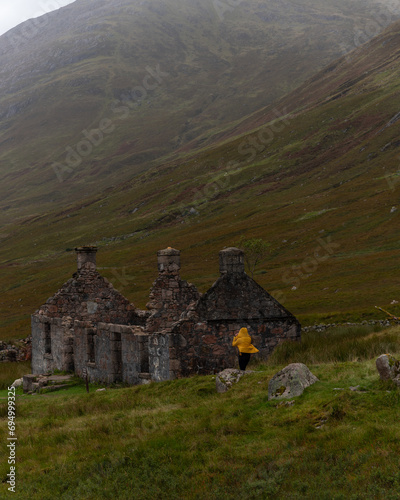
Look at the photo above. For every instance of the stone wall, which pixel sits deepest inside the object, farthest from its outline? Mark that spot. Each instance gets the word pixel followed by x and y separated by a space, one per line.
pixel 98 349
pixel 203 347
pixel 52 344
pixel 135 356
pixel 81 359
pixel 159 358
pixel 111 353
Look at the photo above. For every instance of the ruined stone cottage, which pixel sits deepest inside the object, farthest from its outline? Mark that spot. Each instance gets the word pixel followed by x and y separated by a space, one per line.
pixel 89 327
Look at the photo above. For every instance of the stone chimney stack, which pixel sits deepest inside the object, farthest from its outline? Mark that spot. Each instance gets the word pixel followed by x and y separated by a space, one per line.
pixel 231 260
pixel 169 261
pixel 86 257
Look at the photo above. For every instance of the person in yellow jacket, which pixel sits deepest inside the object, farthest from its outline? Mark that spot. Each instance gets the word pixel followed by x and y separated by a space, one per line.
pixel 243 342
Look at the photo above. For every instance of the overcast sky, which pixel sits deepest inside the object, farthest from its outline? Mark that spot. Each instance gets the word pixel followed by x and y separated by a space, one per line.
pixel 13 12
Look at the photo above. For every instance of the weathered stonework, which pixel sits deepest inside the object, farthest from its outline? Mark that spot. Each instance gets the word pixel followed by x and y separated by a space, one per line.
pixel 87 296
pixel 19 350
pixel 52 344
pixel 90 296
pixel 170 296
pixel 135 356
pixel 90 328
pixel 201 341
pixel 290 382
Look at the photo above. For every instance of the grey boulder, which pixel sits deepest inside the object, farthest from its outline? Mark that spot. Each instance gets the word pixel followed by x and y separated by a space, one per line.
pixel 227 378
pixel 389 368
pixel 17 383
pixel 290 382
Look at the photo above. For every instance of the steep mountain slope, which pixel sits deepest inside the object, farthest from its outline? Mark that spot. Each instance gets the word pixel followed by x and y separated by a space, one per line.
pixel 320 184
pixel 100 90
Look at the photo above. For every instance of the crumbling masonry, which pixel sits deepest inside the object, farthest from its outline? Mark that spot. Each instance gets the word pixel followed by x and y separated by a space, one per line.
pixel 89 327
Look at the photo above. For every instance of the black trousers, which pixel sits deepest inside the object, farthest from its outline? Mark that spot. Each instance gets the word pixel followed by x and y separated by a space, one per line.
pixel 244 359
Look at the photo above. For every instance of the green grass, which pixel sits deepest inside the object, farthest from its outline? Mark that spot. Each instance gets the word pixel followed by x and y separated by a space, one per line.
pixel 12 371
pixel 341 344
pixel 181 439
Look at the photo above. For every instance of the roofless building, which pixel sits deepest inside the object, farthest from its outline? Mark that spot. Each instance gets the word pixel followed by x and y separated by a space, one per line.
pixel 89 327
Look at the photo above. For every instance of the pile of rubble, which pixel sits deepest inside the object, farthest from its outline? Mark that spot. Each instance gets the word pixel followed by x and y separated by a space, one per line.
pixel 34 383
pixel 21 350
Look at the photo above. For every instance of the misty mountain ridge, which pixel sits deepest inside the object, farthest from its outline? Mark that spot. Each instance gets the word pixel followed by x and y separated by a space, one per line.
pixel 78 69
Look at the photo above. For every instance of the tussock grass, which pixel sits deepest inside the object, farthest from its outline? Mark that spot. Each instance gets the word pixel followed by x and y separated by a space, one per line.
pixel 11 371
pixel 341 344
pixel 180 439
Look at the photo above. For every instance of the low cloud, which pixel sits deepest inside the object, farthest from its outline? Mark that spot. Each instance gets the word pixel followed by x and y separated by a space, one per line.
pixel 18 11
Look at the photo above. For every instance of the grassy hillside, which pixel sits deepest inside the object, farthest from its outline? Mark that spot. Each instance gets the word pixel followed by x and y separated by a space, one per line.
pixel 319 184
pixel 163 74
pixel 182 440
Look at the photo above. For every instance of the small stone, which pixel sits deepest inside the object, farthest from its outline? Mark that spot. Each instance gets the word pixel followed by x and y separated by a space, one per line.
pixel 227 378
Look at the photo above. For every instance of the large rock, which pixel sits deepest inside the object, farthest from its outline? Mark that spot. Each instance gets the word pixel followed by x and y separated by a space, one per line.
pixel 227 378
pixel 389 368
pixel 290 382
pixel 17 383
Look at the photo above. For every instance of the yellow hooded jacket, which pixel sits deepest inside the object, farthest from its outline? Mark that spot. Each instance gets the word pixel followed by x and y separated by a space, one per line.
pixel 243 342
